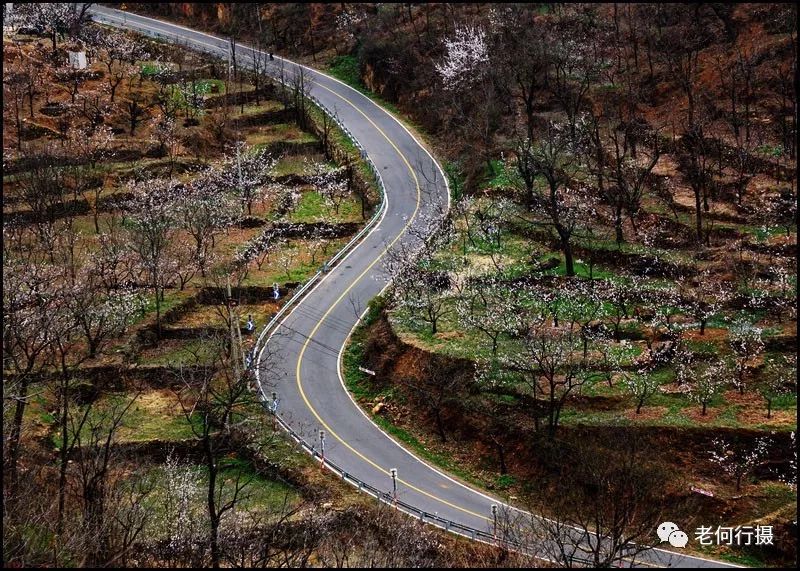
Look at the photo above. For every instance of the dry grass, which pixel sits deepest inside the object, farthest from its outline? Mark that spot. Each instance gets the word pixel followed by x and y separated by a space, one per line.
pixel 647 415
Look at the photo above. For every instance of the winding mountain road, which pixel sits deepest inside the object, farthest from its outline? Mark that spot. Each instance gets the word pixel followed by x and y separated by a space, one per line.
pixel 302 357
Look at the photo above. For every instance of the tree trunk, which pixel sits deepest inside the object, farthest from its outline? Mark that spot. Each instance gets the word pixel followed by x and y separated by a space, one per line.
pixel 569 262
pixel 16 430
pixel 212 506
pixel 618 225
pixel 698 208
pixel 96 216
pixel 158 314
pixel 62 473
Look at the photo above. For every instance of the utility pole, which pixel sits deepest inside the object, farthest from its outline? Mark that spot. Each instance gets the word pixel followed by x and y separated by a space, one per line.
pixel 393 473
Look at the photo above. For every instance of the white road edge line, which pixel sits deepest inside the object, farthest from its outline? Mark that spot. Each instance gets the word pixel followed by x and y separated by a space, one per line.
pixel 355 248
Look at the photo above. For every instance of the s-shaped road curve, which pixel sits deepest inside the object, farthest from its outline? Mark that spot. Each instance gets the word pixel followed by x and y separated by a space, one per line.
pixel 306 347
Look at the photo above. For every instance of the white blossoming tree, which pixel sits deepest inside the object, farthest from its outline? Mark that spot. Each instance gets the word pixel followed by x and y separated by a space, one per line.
pixel 153 223
pixel 330 183
pixel 641 385
pixel 204 209
pixel 248 171
pixel 709 381
pixel 738 459
pixel 703 297
pixel 54 18
pixel 466 58
pixel 779 373
pixel 101 317
pixel 746 344
pixel 120 51
pixel 422 285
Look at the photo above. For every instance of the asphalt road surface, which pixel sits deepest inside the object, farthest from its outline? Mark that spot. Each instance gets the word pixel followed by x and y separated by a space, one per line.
pixel 302 358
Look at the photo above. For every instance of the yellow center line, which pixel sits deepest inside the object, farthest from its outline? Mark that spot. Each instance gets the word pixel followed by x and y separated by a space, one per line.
pixel 319 323
pixel 346 291
pixel 341 297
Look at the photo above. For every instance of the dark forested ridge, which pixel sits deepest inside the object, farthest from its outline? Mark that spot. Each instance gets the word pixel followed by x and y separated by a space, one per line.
pixel 667 65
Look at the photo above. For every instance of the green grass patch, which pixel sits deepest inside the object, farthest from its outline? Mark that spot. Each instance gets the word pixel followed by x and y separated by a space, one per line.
pixel 172 298
pixel 358 383
pixel 581 268
pixel 152 416
pixel 265 107
pixel 702 348
pixel 787 401
pixel 157 416
pixel 501 176
pixel 441 460
pixel 345 68
pixel 313 208
pixel 745 559
pixel 279 132
pixel 296 164
pixel 149 69
pixel 504 481
pixel 300 269
pixel 177 352
pixel 262 495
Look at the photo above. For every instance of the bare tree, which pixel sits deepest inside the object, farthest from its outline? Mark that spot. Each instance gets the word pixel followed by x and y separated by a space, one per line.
pixel 564 203
pixel 626 168
pixel 549 367
pixel 215 398
pixel 112 524
pixel 437 386
pixel 602 512
pixel 28 303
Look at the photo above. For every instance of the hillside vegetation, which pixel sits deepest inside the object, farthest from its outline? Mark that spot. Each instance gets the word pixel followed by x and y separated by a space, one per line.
pixel 602 328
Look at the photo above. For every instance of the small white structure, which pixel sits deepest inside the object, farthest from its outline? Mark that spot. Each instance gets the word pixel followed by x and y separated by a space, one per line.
pixel 9 24
pixel 77 60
